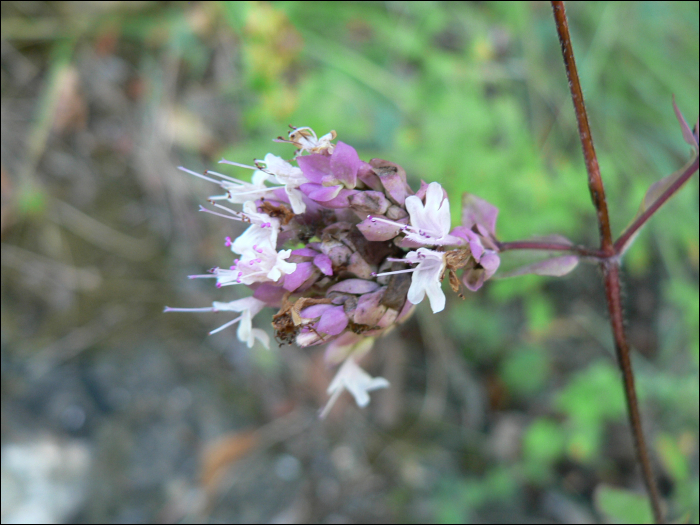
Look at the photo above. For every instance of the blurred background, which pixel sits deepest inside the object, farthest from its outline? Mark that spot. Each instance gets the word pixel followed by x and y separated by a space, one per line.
pixel 505 407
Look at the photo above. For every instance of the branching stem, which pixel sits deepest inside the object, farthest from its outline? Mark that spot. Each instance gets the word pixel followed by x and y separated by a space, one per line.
pixel 610 266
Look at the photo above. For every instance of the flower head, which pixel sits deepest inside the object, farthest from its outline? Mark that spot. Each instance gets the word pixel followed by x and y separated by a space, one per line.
pixel 336 274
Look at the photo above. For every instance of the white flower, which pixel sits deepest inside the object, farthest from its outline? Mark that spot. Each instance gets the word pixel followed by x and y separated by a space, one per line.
pixel 261 263
pixel 427 277
pixel 305 139
pixel 263 229
pixel 430 223
pixel 249 307
pixel 278 265
pixel 238 192
pixel 352 378
pixel 291 177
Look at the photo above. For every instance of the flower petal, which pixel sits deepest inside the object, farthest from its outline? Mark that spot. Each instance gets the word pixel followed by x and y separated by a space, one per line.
pixel 324 263
pixel 478 211
pixel 333 321
pixel 354 286
pixel 320 193
pixel 295 279
pixel 377 230
pixel 344 165
pixel 315 166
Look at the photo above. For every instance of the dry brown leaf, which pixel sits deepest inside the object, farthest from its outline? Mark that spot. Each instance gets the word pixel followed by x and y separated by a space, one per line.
pixel 219 456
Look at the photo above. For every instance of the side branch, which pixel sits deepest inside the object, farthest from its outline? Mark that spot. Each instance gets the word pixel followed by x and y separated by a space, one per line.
pixel 595 182
pixel 644 217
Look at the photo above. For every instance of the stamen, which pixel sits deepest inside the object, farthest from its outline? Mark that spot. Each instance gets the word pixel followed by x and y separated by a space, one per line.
pixel 207 210
pixel 224 326
pixel 261 190
pixel 198 175
pixel 239 214
pixel 225 177
pixel 393 273
pixel 403 227
pixel 204 309
pixel 224 161
pixel 330 403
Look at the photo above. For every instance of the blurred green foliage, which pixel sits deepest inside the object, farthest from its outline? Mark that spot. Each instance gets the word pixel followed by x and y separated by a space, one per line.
pixel 458 497
pixel 622 506
pixel 474 95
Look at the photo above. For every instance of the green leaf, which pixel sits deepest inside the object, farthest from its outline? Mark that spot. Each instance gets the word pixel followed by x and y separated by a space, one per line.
pixel 621 505
pixel 672 457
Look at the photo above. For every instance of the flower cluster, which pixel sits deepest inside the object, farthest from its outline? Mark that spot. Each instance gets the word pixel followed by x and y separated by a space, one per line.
pixel 343 249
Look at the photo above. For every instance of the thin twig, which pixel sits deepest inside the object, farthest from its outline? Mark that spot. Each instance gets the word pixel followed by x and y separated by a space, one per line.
pixel 610 266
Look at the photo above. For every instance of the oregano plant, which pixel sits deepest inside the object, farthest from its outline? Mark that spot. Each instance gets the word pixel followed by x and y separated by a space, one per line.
pixel 344 248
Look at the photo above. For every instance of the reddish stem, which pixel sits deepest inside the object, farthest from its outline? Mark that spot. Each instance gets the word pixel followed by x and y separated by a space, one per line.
pixel 595 182
pixel 610 266
pixel 611 273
